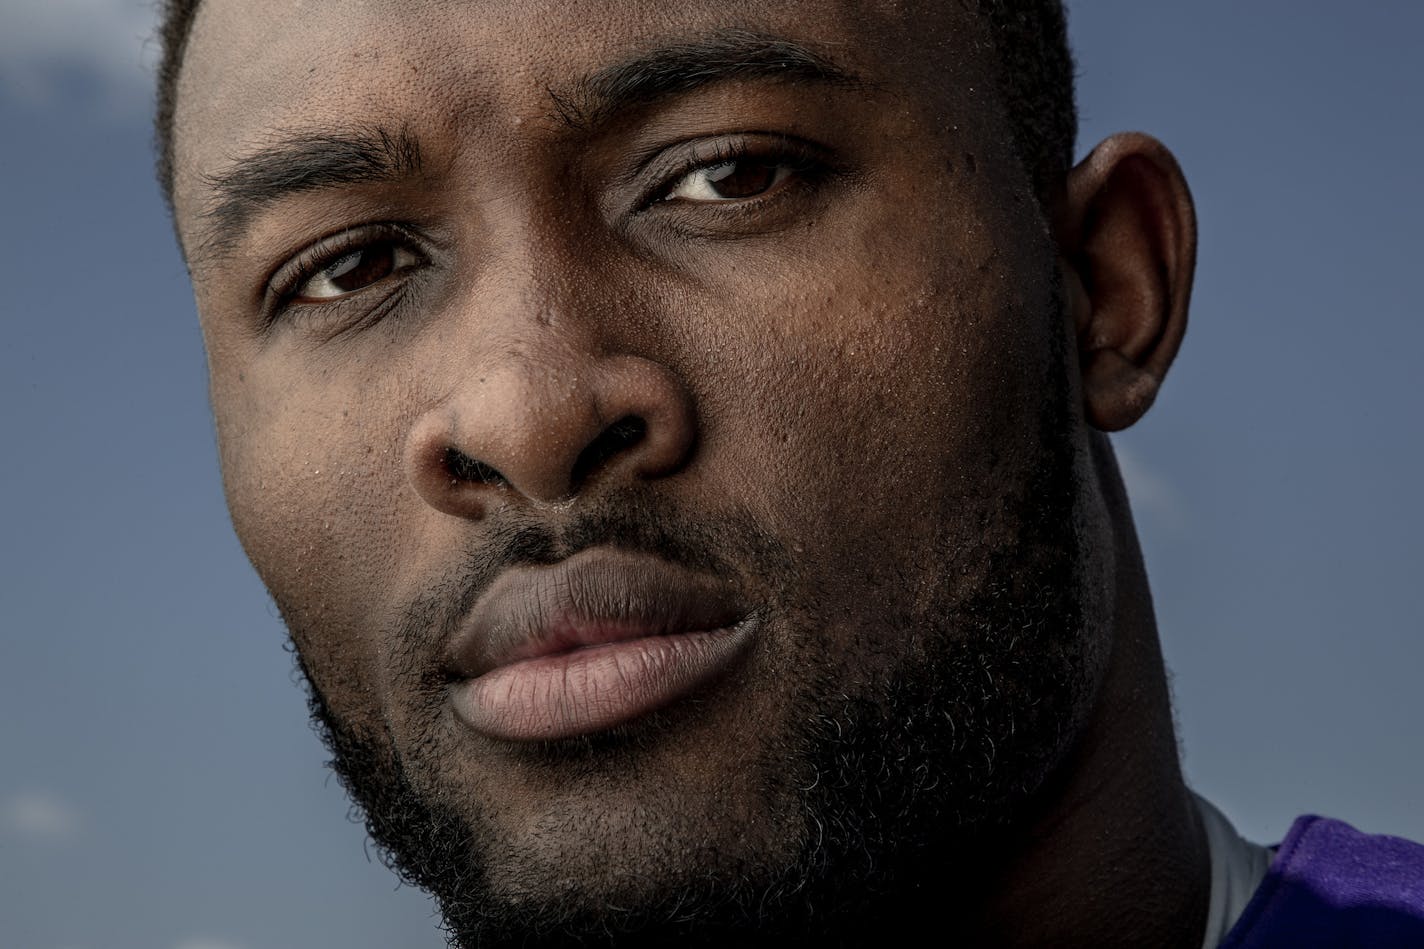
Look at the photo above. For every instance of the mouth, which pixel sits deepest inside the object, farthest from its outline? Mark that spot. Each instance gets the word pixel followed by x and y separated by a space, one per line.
pixel 592 642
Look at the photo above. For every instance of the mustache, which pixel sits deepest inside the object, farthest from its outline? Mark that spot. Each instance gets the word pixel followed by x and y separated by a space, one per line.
pixel 727 543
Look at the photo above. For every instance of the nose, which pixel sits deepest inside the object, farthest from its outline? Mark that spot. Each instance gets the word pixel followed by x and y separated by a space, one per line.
pixel 545 425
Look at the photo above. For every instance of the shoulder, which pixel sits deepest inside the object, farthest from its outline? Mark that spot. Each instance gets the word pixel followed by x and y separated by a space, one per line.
pixel 1331 885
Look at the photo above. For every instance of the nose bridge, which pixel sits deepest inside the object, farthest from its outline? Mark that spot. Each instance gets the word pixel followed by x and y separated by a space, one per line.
pixel 544 408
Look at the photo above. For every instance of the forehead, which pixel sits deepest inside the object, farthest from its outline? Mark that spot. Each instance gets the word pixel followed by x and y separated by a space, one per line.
pixel 252 68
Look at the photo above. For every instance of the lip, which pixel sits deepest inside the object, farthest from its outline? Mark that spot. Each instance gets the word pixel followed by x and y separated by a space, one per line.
pixel 591 642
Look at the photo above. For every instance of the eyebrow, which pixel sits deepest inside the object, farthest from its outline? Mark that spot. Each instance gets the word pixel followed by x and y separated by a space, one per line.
pixel 675 69
pixel 299 161
pixel 310 160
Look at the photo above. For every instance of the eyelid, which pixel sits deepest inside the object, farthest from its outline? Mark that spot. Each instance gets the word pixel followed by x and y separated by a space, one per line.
pixel 284 282
pixel 676 163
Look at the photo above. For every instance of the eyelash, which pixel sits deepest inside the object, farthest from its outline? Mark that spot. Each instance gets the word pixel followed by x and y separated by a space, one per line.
pixel 282 287
pixel 807 162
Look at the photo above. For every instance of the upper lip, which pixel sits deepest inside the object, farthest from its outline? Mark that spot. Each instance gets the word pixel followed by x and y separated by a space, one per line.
pixel 595 597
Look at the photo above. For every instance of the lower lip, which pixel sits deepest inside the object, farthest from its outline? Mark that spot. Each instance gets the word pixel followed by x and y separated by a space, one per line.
pixel 597 687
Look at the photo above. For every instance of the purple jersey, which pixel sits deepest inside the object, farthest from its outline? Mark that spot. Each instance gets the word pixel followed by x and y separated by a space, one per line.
pixel 1332 886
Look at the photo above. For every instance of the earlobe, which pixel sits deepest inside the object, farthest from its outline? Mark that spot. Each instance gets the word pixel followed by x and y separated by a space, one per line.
pixel 1126 231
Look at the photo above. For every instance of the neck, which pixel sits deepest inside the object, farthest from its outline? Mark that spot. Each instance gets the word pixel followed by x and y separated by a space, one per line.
pixel 1114 853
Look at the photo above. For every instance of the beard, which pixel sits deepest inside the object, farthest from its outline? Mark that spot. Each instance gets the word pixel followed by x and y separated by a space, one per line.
pixel 900 789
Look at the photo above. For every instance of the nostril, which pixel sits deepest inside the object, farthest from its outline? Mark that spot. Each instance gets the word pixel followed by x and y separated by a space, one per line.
pixel 461 467
pixel 612 441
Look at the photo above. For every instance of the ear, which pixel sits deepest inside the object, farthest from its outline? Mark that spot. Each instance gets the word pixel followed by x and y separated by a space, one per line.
pixel 1127 236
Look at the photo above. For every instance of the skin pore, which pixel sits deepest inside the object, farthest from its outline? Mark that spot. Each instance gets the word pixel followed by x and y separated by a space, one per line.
pixel 764 296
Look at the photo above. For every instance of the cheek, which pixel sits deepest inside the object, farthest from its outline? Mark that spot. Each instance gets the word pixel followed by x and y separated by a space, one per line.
pixel 312 480
pixel 887 389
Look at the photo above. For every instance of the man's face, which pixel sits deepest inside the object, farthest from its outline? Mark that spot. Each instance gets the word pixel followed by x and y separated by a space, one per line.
pixel 721 341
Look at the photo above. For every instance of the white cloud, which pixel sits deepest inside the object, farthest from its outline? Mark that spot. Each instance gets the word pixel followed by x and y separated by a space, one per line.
pixel 106 42
pixel 1151 494
pixel 37 815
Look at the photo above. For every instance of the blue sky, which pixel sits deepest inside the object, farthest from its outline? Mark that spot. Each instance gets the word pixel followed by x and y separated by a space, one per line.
pixel 161 789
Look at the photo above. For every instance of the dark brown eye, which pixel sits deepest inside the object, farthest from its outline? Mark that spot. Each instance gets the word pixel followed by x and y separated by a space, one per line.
pixel 355 270
pixel 734 180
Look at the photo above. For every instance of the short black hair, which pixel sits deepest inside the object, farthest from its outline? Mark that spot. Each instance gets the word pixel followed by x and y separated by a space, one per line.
pixel 1035 78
